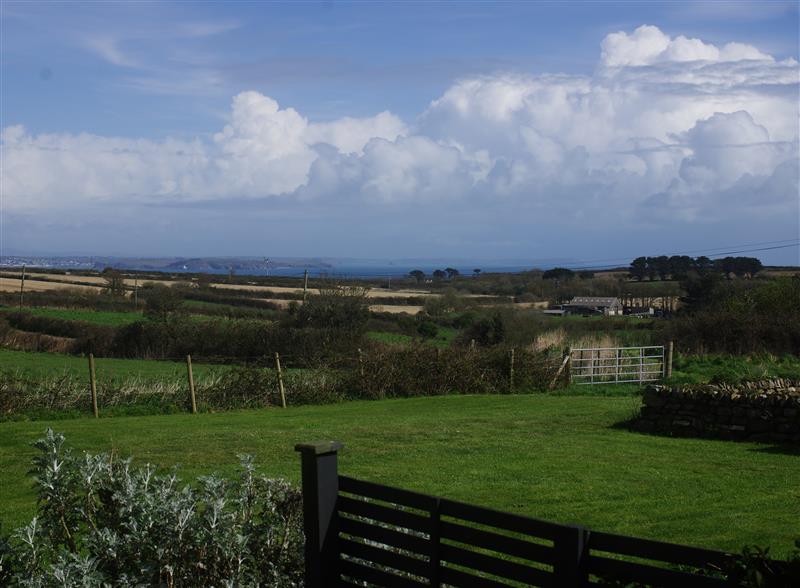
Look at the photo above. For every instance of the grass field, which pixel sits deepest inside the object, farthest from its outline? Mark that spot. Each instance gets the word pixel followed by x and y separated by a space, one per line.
pixel 694 369
pixel 556 458
pixel 97 317
pixel 51 365
pixel 444 338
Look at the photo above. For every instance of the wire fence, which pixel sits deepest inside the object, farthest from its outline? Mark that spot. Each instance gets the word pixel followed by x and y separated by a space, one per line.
pixel 274 379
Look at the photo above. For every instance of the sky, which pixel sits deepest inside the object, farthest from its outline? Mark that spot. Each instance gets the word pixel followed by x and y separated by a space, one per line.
pixel 503 130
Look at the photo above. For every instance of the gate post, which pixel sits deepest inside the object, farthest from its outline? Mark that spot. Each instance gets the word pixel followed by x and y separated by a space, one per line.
pixel 320 489
pixel 570 550
pixel 668 364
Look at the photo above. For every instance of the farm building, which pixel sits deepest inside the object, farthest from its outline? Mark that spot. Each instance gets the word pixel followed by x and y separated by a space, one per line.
pixel 609 306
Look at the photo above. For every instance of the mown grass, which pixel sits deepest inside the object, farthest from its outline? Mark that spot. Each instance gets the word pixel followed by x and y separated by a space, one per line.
pixel 52 365
pixel 557 458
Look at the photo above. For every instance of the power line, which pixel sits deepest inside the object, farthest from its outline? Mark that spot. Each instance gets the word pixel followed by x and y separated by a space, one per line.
pixel 713 251
pixel 716 255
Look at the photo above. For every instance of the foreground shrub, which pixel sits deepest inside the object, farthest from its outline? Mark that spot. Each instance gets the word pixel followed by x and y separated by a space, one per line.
pixel 103 521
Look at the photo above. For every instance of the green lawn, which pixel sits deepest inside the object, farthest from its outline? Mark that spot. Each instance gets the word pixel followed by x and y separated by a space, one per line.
pixel 46 365
pixel 558 458
pixel 98 317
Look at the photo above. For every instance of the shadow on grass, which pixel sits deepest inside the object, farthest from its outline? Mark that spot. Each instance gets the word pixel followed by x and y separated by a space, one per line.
pixel 633 425
pixel 780 449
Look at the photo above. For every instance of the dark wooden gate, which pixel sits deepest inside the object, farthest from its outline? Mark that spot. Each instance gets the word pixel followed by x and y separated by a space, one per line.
pixel 360 532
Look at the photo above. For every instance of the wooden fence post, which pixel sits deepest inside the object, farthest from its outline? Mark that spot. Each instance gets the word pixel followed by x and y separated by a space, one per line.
pixel 361 366
pixel 668 366
pixel 570 546
pixel 93 385
pixel 320 477
pixel 558 373
pixel 305 284
pixel 568 367
pixel 191 384
pixel 280 379
pixel 22 287
pixel 641 364
pixel 511 373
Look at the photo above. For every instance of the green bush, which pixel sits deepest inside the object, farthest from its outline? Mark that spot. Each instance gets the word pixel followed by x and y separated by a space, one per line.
pixel 103 521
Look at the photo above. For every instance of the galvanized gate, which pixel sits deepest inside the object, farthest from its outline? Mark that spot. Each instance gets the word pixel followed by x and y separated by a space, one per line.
pixel 617 365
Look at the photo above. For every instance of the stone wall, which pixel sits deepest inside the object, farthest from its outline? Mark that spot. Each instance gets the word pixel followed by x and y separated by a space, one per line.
pixel 768 410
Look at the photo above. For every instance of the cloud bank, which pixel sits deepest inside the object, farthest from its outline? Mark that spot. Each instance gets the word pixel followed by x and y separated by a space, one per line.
pixel 664 125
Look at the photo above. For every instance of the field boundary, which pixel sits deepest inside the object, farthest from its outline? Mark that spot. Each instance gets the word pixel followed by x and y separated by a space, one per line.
pixel 360 532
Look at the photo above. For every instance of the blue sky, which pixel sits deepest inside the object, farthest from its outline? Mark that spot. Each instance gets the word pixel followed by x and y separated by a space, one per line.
pixel 524 130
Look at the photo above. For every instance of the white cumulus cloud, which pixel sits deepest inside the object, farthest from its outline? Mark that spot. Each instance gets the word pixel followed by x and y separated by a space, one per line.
pixel 648 45
pixel 672 120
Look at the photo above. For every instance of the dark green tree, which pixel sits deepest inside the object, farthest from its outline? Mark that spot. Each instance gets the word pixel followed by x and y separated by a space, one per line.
pixel 638 269
pixel 662 266
pixel 418 275
pixel 344 309
pixel 558 273
pixel 162 303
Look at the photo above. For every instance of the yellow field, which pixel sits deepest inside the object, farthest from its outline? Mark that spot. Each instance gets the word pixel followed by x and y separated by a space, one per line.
pixel 34 283
pixel 31 285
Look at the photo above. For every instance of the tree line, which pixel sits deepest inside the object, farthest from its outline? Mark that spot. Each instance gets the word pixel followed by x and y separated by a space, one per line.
pixel 678 267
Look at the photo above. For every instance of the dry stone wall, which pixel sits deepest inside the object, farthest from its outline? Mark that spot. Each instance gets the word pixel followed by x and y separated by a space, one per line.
pixel 768 410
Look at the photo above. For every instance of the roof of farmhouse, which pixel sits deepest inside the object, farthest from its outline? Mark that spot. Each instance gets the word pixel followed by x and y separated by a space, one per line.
pixel 594 301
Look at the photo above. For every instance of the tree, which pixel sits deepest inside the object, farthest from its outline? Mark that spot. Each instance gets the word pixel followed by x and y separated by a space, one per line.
pixel 344 309
pixel 427 328
pixel 418 275
pixel 680 266
pixel 652 272
pixel 439 274
pixel 115 283
pixel 638 269
pixel 726 265
pixel 746 267
pixel 162 303
pixel 703 265
pixel 585 275
pixel 204 282
pixel 558 273
pixel 452 273
pixel 662 266
pixel 476 272
pixel 487 331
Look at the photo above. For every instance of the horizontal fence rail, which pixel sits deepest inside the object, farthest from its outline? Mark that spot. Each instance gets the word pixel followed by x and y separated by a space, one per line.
pixel 361 533
pixel 617 365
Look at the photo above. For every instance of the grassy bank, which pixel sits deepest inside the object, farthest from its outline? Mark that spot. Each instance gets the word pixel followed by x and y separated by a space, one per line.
pixel 558 458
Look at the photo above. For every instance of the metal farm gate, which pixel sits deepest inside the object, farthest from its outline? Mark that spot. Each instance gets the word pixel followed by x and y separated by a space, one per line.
pixel 617 365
